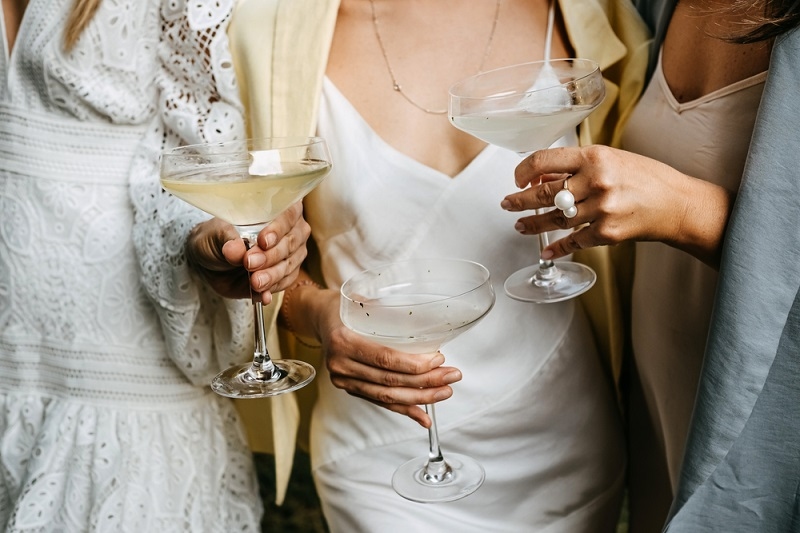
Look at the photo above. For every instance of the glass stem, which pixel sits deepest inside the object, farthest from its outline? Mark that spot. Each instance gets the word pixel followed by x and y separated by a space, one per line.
pixel 262 369
pixel 547 268
pixel 544 242
pixel 436 469
pixel 548 271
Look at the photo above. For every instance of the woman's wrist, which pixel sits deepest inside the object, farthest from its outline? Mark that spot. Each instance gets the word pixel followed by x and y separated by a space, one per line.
pixel 705 219
pixel 287 311
pixel 299 313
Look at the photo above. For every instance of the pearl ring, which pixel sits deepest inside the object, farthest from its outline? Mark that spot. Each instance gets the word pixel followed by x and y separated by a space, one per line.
pixel 566 201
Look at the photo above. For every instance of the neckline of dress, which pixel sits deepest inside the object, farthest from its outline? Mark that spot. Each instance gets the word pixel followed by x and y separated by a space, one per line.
pixel 350 108
pixel 4 35
pixel 10 52
pixel 716 94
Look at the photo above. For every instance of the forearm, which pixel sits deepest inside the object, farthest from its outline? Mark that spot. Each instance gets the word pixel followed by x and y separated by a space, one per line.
pixel 303 307
pixel 701 228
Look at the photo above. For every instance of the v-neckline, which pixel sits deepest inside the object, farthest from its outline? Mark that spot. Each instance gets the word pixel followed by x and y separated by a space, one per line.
pixel 9 51
pixel 480 156
pixel 716 94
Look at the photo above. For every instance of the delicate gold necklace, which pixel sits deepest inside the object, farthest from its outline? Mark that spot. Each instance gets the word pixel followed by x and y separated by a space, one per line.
pixel 399 88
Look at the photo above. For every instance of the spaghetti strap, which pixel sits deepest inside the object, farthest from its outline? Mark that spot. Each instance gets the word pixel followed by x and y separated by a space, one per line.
pixel 551 16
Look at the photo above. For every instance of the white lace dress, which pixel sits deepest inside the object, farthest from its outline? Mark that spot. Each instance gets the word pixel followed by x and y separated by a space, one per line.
pixel 106 343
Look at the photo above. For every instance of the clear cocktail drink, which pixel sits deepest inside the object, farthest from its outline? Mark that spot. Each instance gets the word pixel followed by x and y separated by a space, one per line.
pixel 417 306
pixel 519 129
pixel 525 108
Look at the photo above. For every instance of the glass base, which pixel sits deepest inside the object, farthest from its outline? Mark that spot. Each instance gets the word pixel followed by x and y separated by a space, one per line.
pixel 570 280
pixel 240 382
pixel 464 478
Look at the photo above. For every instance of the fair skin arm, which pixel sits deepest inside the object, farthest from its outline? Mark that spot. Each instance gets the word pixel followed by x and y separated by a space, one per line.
pixel 216 252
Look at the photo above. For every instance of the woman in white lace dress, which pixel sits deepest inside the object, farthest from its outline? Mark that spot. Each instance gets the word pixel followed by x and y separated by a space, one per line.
pixel 107 338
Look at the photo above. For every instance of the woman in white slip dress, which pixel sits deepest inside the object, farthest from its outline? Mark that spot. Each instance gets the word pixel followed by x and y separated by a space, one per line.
pixel 532 402
pixel 107 341
pixel 699 121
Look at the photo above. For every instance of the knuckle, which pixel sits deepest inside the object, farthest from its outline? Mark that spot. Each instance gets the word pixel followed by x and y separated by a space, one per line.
pixel 383 358
pixel 384 396
pixel 305 228
pixel 603 182
pixel 296 259
pixel 339 383
pixel 594 154
pixel 607 234
pixel 334 361
pixel 287 281
pixel 599 159
pixel 560 220
pixel 516 202
pixel 420 366
pixel 570 244
pixel 292 242
pixel 291 265
pixel 390 379
pixel 334 366
pixel 537 158
pixel 544 196
pixel 296 210
pixel 433 381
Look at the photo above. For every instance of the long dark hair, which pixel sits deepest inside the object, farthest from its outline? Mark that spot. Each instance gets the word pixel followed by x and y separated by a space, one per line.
pixel 764 20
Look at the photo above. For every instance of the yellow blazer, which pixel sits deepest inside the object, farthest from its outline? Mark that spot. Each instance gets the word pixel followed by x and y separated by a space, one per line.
pixel 280 52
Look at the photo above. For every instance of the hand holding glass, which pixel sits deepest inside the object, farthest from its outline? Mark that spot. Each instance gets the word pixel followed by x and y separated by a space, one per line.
pixel 524 108
pixel 416 306
pixel 248 184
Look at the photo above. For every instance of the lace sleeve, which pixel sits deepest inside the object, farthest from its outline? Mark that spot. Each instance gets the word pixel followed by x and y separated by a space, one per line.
pixel 198 102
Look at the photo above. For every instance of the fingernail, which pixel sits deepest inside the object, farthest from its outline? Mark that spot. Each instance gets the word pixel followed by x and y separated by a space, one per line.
pixel 442 395
pixel 505 204
pixel 255 261
pixel 438 359
pixel 546 254
pixel 271 239
pixel 452 377
pixel 519 226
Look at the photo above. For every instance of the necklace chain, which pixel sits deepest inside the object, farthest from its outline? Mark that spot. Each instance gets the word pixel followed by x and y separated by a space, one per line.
pixel 399 88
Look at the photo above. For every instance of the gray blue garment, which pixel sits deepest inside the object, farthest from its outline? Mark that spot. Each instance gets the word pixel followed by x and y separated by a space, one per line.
pixel 741 470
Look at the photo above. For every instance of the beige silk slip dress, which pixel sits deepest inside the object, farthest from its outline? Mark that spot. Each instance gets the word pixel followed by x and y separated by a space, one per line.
pixel 673 293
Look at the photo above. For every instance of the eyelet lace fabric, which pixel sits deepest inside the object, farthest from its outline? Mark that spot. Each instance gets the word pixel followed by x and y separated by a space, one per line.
pixel 107 342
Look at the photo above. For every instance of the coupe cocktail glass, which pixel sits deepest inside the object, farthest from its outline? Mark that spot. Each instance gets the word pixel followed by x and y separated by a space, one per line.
pixel 524 108
pixel 416 306
pixel 249 183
